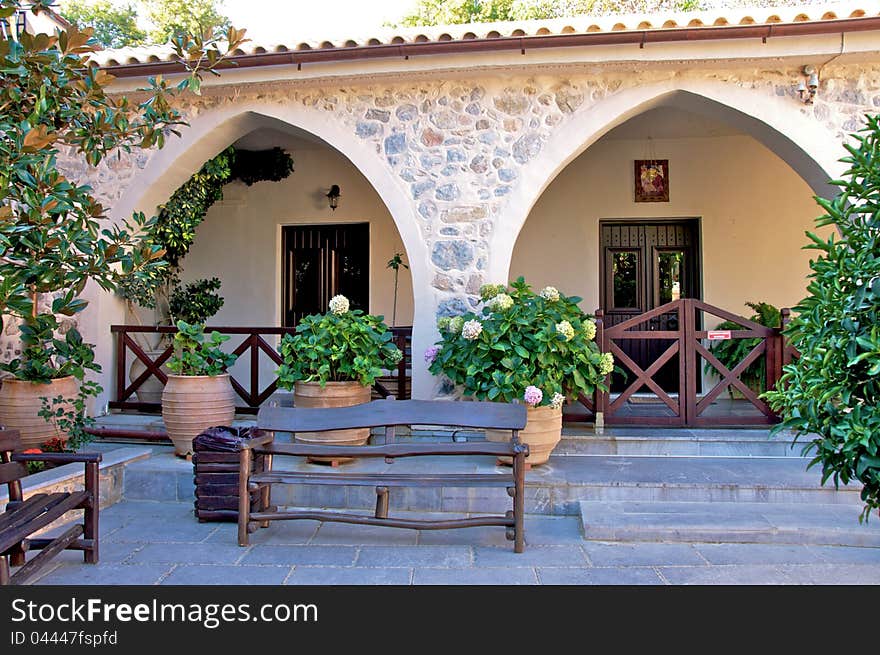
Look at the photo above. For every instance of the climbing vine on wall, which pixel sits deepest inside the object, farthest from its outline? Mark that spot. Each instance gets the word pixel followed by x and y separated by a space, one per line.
pixel 178 218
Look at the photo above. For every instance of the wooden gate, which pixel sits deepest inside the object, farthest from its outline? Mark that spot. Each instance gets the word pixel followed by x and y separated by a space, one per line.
pixel 686 348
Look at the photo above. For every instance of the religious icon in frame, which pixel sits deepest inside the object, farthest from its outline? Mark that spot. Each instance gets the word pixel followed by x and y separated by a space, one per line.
pixel 652 180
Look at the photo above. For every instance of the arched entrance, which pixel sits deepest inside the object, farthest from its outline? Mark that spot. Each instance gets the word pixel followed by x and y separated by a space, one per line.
pixel 370 197
pixel 730 232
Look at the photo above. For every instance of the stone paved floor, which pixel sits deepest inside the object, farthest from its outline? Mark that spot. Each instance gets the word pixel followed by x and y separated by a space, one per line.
pixel 147 543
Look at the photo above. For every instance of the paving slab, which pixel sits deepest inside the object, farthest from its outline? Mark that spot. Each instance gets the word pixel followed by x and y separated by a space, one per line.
pixel 106 574
pixel 470 576
pixel 642 554
pixel 349 576
pixel 747 574
pixel 735 522
pixel 568 556
pixel 415 556
pixel 301 555
pixel 209 574
pixel 599 576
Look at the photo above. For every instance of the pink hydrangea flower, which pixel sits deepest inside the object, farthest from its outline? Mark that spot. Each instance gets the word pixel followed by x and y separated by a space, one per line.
pixel 431 354
pixel 533 395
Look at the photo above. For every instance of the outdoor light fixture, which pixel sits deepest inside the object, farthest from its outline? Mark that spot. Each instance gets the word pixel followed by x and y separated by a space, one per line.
pixel 333 196
pixel 807 89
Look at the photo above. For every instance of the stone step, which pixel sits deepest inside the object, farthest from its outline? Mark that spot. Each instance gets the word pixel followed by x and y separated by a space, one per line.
pixel 767 523
pixel 681 442
pixel 555 488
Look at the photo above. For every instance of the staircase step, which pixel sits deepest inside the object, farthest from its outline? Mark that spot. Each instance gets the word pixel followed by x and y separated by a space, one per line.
pixel 768 523
pixel 682 442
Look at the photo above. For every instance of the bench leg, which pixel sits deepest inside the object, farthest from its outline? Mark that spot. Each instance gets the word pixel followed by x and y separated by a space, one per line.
pixel 266 492
pixel 244 497
pixel 90 516
pixel 17 555
pixel 381 502
pixel 4 570
pixel 519 461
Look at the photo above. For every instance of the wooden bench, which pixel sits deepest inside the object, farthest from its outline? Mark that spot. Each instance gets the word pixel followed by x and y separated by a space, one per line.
pixel 388 414
pixel 23 518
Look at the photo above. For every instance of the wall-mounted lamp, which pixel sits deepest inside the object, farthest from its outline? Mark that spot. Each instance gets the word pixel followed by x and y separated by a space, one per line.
pixel 807 87
pixel 333 196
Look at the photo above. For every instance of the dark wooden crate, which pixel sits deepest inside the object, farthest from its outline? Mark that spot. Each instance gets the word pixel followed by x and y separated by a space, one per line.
pixel 216 480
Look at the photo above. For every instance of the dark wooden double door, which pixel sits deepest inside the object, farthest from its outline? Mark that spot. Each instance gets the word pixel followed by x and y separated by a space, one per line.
pixel 644 265
pixel 321 261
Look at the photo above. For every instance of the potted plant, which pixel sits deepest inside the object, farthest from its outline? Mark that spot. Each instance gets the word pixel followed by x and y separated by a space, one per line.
pixel 332 361
pixel 523 346
pixel 194 302
pixel 45 396
pixel 198 394
pixel 55 236
pixel 731 352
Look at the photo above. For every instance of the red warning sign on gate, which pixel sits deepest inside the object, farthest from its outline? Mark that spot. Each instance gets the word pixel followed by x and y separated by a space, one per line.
pixel 718 335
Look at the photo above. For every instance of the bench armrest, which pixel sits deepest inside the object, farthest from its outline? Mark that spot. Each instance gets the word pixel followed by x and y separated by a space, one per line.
pixel 257 442
pixel 57 458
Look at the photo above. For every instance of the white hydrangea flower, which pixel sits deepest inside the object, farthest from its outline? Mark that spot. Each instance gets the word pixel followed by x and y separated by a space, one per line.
pixel 489 291
pixel 550 293
pixel 471 330
pixel 590 330
pixel 339 304
pixel 455 324
pixel 606 365
pixel 395 356
pixel 565 329
pixel 557 400
pixel 501 302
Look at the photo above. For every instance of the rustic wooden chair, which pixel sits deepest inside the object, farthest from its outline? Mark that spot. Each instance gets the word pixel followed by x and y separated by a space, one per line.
pixel 23 518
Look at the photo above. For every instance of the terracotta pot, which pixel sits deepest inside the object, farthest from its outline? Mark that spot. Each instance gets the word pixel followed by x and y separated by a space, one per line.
pixel 193 403
pixel 334 394
pixel 542 432
pixel 20 405
pixel 150 390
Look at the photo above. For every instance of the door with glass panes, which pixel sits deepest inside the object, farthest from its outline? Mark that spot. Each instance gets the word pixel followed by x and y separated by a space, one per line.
pixel 321 261
pixel 644 265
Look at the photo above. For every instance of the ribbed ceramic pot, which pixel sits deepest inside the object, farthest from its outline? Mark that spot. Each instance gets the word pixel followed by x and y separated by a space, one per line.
pixel 542 432
pixel 20 405
pixel 333 394
pixel 193 403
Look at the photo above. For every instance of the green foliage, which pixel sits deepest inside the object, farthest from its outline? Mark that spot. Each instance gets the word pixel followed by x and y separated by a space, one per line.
pixel 54 235
pixel 527 339
pixel 175 230
pixel 335 347
pixel 252 166
pixel 447 12
pixel 196 354
pixel 46 357
pixel 171 18
pixel 115 26
pixel 732 351
pixel 196 302
pixel 831 393
pixel 69 416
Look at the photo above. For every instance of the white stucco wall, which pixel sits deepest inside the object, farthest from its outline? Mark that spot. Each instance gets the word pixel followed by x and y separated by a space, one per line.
pixel 240 239
pixel 753 210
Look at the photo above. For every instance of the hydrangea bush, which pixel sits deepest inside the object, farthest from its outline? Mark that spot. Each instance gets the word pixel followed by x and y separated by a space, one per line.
pixel 523 346
pixel 339 346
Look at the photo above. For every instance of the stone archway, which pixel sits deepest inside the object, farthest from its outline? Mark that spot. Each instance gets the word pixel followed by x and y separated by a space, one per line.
pixel 209 132
pixel 777 123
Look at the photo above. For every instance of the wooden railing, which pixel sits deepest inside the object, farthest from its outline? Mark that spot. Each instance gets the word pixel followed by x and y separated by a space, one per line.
pixel 248 387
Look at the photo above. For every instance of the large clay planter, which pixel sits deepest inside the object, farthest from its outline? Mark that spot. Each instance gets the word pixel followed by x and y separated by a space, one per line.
pixel 193 403
pixel 542 432
pixel 150 390
pixel 334 394
pixel 20 405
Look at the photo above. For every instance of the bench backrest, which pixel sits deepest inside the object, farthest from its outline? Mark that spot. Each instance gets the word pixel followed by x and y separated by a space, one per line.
pixel 11 472
pixel 382 413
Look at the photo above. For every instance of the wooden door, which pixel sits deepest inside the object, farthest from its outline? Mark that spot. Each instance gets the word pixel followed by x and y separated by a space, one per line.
pixel 321 261
pixel 644 265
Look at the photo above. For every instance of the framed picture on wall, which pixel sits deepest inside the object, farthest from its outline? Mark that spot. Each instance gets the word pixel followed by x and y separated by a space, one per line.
pixel 652 180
